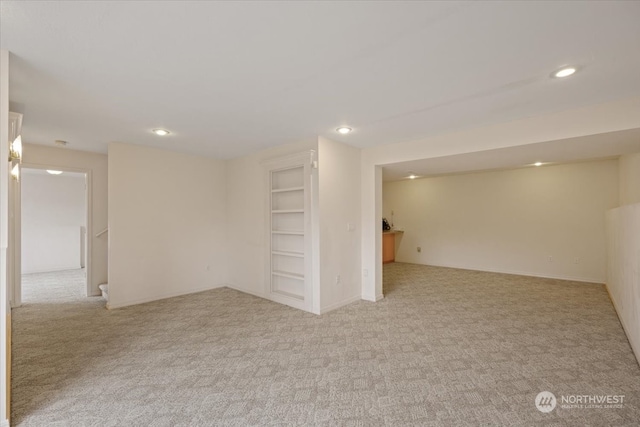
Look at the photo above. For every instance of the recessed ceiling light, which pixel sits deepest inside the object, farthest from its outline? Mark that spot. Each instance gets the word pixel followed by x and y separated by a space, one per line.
pixel 161 132
pixel 60 143
pixel 412 175
pixel 52 172
pixel 344 130
pixel 565 72
pixel 537 164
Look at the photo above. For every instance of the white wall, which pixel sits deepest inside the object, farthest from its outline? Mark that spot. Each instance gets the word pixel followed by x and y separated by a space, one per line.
pixel 630 179
pixel 337 251
pixel 509 221
pixel 339 201
pixel 167 224
pixel 246 219
pixel 602 118
pixel 623 238
pixel 53 212
pixel 623 283
pixel 5 312
pixel 96 166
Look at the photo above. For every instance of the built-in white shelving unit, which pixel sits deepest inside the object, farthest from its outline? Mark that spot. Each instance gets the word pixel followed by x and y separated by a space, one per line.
pixel 289 239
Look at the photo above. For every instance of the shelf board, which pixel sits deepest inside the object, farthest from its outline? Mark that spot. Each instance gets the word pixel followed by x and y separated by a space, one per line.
pixel 288 232
pixel 289 294
pixel 279 211
pixel 284 190
pixel 288 253
pixel 288 275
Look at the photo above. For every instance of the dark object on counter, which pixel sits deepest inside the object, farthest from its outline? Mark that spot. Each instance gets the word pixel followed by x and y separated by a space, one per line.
pixel 385 225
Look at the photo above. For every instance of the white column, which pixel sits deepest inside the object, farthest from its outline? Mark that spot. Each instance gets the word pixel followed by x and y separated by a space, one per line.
pixel 4 234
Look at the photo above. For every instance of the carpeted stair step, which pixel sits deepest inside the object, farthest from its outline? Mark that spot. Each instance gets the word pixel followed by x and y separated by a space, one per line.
pixel 104 288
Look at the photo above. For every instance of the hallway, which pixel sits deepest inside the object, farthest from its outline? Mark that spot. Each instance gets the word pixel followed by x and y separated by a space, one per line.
pixel 53 287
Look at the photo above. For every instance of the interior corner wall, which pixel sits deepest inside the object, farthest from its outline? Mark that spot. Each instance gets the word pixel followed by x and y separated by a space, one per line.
pixel 623 281
pixel 623 250
pixel 96 164
pixel 546 221
pixel 167 224
pixel 246 216
pixel 339 224
pixel 629 179
pixel 53 216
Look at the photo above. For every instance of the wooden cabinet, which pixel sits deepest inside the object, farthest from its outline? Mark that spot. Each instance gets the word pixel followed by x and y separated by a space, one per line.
pixel 388 247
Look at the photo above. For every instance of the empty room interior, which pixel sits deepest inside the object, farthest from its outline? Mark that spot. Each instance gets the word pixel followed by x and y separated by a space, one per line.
pixel 319 213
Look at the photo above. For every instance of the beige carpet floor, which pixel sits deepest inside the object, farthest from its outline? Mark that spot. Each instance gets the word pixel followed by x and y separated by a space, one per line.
pixel 58 286
pixel 445 347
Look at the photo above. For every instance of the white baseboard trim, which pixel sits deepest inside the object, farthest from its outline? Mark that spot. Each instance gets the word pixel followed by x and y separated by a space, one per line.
pixel 337 305
pixel 111 306
pixel 4 423
pixel 516 273
pixel 323 310
pixel 51 270
pixel 366 297
pixel 372 298
pixel 635 349
pixel 244 291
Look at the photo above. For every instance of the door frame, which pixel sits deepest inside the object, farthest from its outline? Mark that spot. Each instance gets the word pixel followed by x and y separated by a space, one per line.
pixel 15 287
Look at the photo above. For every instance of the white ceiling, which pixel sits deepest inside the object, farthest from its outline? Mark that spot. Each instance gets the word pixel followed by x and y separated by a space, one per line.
pixel 229 78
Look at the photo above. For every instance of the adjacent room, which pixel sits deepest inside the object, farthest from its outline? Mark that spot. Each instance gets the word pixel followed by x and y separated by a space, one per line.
pixel 508 211
pixel 319 213
pixel 54 235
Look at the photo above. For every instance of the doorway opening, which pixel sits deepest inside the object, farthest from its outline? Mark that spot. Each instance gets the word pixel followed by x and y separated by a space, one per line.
pixel 54 224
